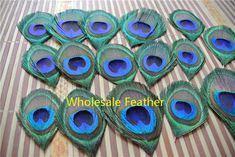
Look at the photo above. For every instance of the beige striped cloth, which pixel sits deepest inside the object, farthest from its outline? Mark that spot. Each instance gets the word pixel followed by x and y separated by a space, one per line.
pixel 211 139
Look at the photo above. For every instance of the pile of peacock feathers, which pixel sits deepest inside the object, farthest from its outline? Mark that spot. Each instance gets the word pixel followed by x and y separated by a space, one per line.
pixel 42 113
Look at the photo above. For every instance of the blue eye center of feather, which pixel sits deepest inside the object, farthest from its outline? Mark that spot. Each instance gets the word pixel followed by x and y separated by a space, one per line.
pixel 138 114
pixel 187 24
pixel 226 101
pixel 70 29
pixel 154 63
pixel 77 65
pixel 44 65
pixel 41 118
pixel 183 110
pixel 139 119
pixel 187 57
pixel 154 60
pixel 68 25
pixel 114 65
pixel 37 29
pixel 117 67
pixel 76 62
pixel 139 28
pixel 84 121
pixel 183 106
pixel 100 27
pixel 223 44
pixel 42 114
pixel 83 117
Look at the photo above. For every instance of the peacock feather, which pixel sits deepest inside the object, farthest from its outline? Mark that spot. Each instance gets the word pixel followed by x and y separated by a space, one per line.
pixel 39 61
pixel 141 123
pixel 142 25
pixel 100 27
pixel 184 107
pixel 189 57
pixel 37 116
pixel 77 62
pixel 116 63
pixel 221 41
pixel 154 60
pixel 67 26
pixel 187 23
pixel 33 27
pixel 81 120
pixel 219 89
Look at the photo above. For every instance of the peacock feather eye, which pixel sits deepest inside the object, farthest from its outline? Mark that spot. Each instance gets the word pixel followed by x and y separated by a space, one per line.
pixel 39 61
pixel 140 123
pixel 184 107
pixel 37 116
pixel 221 41
pixel 189 56
pixel 33 27
pixel 77 62
pixel 155 60
pixel 142 25
pixel 116 63
pixel 187 23
pixel 219 89
pixel 67 26
pixel 82 121
pixel 100 27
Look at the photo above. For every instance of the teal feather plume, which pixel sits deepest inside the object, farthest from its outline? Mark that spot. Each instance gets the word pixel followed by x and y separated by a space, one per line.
pixel 189 56
pixel 37 116
pixel 83 124
pixel 67 26
pixel 77 62
pixel 100 27
pixel 219 90
pixel 155 60
pixel 142 25
pixel 221 42
pixel 39 61
pixel 184 107
pixel 33 27
pixel 141 123
pixel 187 23
pixel 116 63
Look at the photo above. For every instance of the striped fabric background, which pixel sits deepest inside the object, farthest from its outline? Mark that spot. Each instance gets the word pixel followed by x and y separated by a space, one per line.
pixel 211 139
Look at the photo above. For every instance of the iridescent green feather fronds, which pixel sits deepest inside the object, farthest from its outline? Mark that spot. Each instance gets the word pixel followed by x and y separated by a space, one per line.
pixel 34 108
pixel 187 23
pixel 184 107
pixel 155 59
pixel 116 63
pixel 84 125
pixel 218 88
pixel 142 25
pixel 189 56
pixel 77 62
pixel 221 42
pixel 33 27
pixel 100 27
pixel 40 62
pixel 67 26
pixel 144 129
